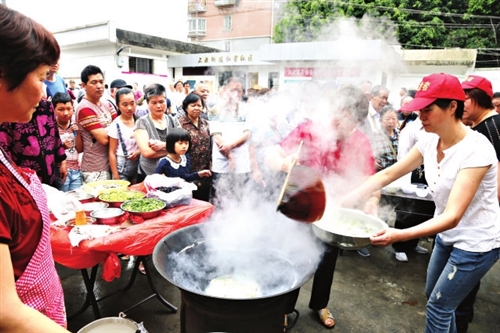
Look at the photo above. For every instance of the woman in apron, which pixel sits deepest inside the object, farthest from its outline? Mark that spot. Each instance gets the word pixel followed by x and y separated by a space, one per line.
pixel 32 298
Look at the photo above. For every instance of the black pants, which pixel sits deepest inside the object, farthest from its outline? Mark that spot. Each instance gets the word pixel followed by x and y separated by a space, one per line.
pixel 405 221
pixel 322 283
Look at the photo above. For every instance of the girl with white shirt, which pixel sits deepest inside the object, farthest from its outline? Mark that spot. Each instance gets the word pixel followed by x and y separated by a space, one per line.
pixel 461 172
pixel 123 151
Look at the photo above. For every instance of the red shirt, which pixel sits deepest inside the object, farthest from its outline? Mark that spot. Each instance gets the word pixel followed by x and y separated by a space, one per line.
pixel 20 221
pixel 342 157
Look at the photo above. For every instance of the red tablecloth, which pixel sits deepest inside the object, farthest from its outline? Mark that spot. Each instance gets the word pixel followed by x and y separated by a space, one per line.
pixel 139 239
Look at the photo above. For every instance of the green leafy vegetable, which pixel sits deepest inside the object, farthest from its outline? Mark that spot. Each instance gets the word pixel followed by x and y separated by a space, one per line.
pixel 120 196
pixel 143 205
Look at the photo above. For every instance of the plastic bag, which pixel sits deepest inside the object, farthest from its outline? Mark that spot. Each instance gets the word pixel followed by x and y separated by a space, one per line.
pixel 179 197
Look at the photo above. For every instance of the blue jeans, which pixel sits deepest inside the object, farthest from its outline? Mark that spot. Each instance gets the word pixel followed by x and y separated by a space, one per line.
pixel 451 275
pixel 127 169
pixel 73 181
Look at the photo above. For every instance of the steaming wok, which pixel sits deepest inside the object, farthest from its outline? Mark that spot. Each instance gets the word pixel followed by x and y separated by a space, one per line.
pixel 185 258
pixel 348 229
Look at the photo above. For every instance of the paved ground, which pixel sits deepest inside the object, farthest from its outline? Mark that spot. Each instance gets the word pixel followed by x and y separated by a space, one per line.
pixel 375 294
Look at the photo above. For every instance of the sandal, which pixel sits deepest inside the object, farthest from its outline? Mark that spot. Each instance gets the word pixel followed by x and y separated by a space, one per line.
pixel 324 316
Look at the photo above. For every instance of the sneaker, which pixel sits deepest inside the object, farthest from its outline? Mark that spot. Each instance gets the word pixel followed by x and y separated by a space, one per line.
pixel 401 256
pixel 420 249
pixel 364 252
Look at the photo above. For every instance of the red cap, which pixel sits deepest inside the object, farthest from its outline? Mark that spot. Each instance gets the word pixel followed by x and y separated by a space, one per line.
pixel 433 87
pixel 479 82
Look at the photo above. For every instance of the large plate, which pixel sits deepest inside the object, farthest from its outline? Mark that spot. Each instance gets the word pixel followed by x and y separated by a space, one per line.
pixel 348 229
pixel 105 186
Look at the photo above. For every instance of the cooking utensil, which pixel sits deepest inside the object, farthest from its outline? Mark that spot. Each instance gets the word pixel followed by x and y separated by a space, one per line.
pixel 185 259
pixel 89 207
pixel 81 196
pixel 348 229
pixel 108 215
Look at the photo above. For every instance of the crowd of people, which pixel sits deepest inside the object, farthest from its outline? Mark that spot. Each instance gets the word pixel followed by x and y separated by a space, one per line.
pixel 244 141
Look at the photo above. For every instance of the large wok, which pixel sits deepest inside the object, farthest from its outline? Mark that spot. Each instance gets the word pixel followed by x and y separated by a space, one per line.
pixel 348 229
pixel 186 259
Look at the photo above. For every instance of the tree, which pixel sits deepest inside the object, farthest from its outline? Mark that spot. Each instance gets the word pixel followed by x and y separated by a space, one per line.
pixel 414 24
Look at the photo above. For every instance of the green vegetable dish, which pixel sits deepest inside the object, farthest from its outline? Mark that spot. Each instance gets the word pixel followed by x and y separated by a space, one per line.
pixel 120 196
pixel 143 205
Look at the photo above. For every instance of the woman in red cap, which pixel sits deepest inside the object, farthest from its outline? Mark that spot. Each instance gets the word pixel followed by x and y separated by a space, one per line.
pixel 461 171
pixel 480 113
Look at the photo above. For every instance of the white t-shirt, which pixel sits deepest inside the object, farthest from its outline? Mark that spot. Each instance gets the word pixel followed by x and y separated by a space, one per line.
pixel 231 128
pixel 127 135
pixel 479 228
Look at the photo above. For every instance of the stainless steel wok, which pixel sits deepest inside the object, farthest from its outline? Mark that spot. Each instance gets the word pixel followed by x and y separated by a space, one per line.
pixel 348 229
pixel 186 259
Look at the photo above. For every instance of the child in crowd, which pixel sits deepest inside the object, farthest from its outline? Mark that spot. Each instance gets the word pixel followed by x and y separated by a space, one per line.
pixel 177 163
pixel 71 139
pixel 123 151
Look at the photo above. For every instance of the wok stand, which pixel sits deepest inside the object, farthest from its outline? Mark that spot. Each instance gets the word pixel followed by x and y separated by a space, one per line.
pixel 90 298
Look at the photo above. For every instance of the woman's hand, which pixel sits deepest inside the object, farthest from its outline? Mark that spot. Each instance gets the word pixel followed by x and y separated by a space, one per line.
pixel 156 145
pixel 135 155
pixel 204 173
pixel 386 237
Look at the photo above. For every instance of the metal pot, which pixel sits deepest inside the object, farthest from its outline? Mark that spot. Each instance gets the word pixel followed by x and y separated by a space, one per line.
pixel 111 324
pixel 145 215
pixel 188 245
pixel 108 215
pixel 348 229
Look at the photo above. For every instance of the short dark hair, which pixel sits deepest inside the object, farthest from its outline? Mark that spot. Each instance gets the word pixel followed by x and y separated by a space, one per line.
pixel 90 70
pixel 26 45
pixel 154 89
pixel 120 92
pixel 354 100
pixel 60 97
pixel 191 98
pixel 444 103
pixel 175 135
pixel 386 109
pixel 411 92
pixel 480 97
pixel 496 95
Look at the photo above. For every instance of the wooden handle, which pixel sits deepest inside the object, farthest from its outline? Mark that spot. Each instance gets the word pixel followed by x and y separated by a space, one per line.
pixel 282 193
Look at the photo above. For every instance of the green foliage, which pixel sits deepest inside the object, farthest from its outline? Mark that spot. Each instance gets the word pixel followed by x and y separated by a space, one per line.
pixel 414 24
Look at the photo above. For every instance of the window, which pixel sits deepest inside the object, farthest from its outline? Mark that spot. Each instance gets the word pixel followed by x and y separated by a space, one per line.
pixel 228 22
pixel 197 27
pixel 140 65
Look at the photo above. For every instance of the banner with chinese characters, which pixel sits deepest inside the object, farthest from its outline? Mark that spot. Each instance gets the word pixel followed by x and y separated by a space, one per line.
pixel 321 72
pixel 225 59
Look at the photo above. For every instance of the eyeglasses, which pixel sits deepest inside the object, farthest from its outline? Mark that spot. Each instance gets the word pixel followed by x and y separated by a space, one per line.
pixel 385 98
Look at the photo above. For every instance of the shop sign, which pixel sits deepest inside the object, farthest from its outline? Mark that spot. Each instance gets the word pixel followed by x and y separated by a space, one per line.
pixel 318 72
pixel 225 59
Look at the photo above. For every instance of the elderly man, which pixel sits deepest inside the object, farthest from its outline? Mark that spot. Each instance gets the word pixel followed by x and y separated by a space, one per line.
pixel 203 89
pixel 380 96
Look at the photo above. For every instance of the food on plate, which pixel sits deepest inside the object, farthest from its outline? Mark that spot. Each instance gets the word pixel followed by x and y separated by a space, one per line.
pixel 121 196
pixel 143 205
pixel 349 227
pixel 233 287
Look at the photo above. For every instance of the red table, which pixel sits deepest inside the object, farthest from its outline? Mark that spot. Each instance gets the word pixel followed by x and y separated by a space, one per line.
pixel 138 240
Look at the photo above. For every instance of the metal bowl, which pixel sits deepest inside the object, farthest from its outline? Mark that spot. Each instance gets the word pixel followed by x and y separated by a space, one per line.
pixel 145 215
pixel 89 207
pixel 348 229
pixel 81 196
pixel 123 195
pixel 108 215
